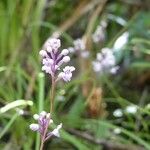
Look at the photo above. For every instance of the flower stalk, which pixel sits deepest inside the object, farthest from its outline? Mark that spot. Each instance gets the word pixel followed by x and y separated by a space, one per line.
pixel 43 138
pixel 52 60
pixel 52 94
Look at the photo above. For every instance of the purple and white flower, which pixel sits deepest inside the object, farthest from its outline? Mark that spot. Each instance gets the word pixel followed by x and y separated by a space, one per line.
pixel 105 62
pixel 66 75
pixel 53 59
pixel 34 127
pixel 56 130
pixel 44 120
pixel 79 48
pixel 79 44
pixel 99 34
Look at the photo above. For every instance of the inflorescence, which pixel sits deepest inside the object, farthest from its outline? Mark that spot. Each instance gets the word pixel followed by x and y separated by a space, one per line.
pixel 79 48
pixel 44 121
pixel 105 62
pixel 53 59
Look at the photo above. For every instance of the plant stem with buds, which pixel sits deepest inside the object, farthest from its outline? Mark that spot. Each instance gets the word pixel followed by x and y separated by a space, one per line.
pixel 52 96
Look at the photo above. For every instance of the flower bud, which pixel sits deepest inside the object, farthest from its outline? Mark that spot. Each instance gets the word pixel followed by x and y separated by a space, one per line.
pixel 66 59
pixel 60 75
pixel 43 53
pixel 55 132
pixel 36 116
pixel 48 115
pixel 43 113
pixel 34 127
pixel 64 52
pixel 49 49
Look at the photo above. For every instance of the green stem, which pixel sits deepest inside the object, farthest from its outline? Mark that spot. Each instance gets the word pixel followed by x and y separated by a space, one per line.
pixel 52 96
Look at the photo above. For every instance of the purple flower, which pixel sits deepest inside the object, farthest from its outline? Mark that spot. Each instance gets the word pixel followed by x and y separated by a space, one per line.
pixel 108 58
pixel 34 127
pixel 66 75
pixel 79 44
pixel 53 58
pixel 114 69
pixel 71 49
pixel 105 62
pixel 44 120
pixel 56 130
pixel 79 48
pixel 97 67
pixel 99 34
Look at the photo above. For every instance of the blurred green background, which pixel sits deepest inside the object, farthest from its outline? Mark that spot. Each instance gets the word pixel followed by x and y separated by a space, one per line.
pixel 115 114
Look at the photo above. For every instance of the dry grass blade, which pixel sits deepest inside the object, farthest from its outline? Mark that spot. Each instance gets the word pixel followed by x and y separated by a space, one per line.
pixel 94 103
pixel 83 7
pixel 107 145
pixel 95 14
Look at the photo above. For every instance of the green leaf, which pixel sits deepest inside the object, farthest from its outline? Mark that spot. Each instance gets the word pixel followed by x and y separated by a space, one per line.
pixel 73 140
pixel 141 65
